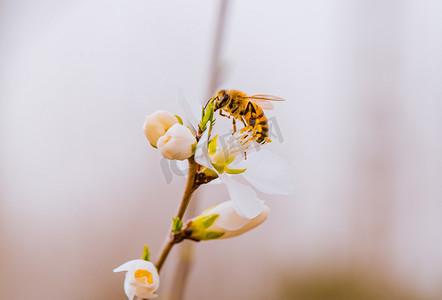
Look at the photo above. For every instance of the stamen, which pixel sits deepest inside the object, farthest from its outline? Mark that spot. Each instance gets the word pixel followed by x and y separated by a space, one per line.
pixel 238 143
pixel 246 139
pixel 143 276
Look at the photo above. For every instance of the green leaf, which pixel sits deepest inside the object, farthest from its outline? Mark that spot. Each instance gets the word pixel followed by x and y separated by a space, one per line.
pixel 230 160
pixel 210 109
pixel 179 119
pixel 209 172
pixel 207 221
pixel 207 115
pixel 204 120
pixel 219 168
pixel 202 125
pixel 194 148
pixel 211 235
pixel 177 224
pixel 146 253
pixel 235 171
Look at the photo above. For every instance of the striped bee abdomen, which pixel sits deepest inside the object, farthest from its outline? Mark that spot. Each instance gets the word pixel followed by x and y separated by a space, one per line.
pixel 256 119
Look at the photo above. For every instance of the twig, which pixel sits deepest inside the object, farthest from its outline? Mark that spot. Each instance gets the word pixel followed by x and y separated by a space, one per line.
pixel 191 186
pixel 185 265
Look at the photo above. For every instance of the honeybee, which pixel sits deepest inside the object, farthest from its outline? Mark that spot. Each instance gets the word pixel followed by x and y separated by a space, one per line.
pixel 248 109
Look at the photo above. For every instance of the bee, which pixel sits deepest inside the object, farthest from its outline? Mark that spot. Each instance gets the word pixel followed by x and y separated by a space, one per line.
pixel 247 109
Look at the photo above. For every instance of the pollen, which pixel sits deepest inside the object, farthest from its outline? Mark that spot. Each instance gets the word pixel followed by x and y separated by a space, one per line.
pixel 143 276
pixel 246 138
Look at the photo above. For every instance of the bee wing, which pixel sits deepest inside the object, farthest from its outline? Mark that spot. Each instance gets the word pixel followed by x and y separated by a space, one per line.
pixel 263 100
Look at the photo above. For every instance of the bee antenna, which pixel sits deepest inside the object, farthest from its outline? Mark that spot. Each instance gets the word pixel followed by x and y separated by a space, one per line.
pixel 208 101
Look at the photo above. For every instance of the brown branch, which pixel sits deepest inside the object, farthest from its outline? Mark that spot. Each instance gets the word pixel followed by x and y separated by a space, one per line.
pixel 185 265
pixel 191 186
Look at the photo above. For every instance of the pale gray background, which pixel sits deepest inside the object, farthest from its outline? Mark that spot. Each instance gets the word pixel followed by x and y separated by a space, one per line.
pixel 82 191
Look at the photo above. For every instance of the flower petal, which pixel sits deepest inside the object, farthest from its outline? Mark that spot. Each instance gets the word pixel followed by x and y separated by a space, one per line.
pixel 269 173
pixel 201 155
pixel 244 198
pixel 144 294
pixel 215 181
pixel 228 217
pixel 182 167
pixel 134 287
pixel 129 290
pixel 252 223
pixel 191 109
pixel 177 143
pixel 131 264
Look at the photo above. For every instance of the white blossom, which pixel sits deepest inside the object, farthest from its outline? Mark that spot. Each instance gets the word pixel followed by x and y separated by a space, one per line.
pixel 177 143
pixel 157 124
pixel 262 169
pixel 222 221
pixel 142 279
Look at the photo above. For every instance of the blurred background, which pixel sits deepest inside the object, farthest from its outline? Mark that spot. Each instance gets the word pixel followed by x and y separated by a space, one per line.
pixel 81 190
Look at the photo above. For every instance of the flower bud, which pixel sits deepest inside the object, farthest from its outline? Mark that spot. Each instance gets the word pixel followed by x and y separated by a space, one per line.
pixel 178 143
pixel 142 279
pixel 157 124
pixel 222 221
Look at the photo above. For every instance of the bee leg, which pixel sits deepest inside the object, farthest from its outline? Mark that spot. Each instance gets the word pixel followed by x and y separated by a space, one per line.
pixel 234 125
pixel 221 114
pixel 245 155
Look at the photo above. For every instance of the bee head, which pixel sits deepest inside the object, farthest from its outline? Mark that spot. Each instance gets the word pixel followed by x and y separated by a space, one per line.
pixel 222 99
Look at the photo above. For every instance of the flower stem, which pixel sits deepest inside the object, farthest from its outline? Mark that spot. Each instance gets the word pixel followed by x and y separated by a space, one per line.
pixel 185 265
pixel 166 249
pixel 191 186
